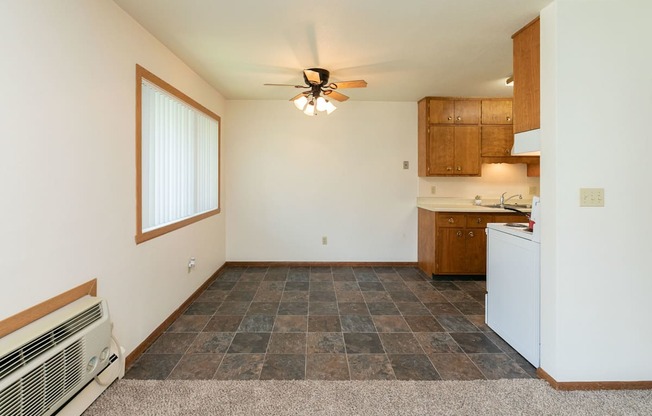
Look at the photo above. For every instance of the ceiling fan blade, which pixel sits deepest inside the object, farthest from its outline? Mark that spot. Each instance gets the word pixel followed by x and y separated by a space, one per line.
pixel 360 83
pixel 335 95
pixel 312 76
pixel 286 85
pixel 299 95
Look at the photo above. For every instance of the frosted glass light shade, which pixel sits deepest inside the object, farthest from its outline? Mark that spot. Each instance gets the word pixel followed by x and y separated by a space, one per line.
pixel 330 107
pixel 310 109
pixel 301 102
pixel 321 104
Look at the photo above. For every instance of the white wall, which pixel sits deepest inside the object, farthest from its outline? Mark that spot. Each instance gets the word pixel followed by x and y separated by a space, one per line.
pixel 67 165
pixel 596 103
pixel 293 179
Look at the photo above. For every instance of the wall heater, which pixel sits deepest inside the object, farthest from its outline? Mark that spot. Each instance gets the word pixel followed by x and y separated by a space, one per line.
pixel 61 362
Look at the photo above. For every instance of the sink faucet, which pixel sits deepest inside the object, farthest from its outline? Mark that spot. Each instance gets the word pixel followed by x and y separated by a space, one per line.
pixel 503 200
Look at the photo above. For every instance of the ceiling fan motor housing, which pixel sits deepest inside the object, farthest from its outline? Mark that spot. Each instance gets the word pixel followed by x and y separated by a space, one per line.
pixel 323 76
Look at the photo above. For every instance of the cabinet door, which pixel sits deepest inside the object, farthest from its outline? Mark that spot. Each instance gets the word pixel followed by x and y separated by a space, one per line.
pixel 497 112
pixel 476 251
pixel 451 251
pixel 442 111
pixel 441 150
pixel 467 150
pixel 526 78
pixel 467 112
pixel 497 141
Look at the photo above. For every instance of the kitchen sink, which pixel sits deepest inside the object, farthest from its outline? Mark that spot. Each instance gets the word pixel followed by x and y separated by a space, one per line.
pixel 526 206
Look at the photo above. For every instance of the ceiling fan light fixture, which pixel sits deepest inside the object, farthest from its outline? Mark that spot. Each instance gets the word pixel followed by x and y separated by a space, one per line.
pixel 330 107
pixel 321 104
pixel 301 102
pixel 310 109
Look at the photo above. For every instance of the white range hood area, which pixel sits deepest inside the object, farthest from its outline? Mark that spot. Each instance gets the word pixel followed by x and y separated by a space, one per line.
pixel 527 143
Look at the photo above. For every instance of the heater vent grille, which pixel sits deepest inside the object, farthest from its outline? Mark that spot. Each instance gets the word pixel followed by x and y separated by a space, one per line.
pixel 37 391
pixel 23 355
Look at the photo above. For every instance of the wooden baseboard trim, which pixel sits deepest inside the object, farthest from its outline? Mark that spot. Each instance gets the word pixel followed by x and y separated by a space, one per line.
pixel 30 315
pixel 142 347
pixel 593 385
pixel 321 263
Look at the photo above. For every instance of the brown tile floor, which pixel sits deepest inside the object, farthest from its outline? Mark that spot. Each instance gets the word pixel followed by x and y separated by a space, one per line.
pixel 332 323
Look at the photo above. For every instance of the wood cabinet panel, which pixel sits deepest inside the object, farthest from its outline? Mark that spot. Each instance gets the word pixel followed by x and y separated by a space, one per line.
pixel 476 251
pixel 449 219
pixel 527 94
pixel 451 243
pixel 467 150
pixel 426 240
pixel 496 141
pixel 442 111
pixel 478 220
pixel 497 112
pixel 467 112
pixel 441 150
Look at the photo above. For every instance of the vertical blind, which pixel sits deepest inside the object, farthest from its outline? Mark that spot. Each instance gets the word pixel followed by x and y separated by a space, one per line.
pixel 179 147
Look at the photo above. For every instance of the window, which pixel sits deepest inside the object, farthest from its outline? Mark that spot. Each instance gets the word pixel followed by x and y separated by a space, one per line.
pixel 177 158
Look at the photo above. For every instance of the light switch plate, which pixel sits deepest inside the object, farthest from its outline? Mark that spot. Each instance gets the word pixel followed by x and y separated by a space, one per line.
pixel 406 164
pixel 591 197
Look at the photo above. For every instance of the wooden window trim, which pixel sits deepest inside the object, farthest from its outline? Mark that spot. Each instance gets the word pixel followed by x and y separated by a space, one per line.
pixel 142 73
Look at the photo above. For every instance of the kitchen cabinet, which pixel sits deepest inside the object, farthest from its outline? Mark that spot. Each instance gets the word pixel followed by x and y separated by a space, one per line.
pixel 457 135
pixel 452 111
pixel 497 111
pixel 454 150
pixel 527 78
pixel 497 141
pixel 454 243
pixel 449 137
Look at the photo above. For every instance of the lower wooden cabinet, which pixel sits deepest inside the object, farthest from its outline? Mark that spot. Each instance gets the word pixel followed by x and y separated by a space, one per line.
pixel 454 243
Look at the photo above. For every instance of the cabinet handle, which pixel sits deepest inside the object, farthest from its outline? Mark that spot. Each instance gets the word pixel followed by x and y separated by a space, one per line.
pixel 450 118
pixel 479 220
pixel 448 168
pixel 459 168
pixel 451 220
pixel 507 151
pixel 471 234
pixel 459 118
pixel 459 233
pixel 509 118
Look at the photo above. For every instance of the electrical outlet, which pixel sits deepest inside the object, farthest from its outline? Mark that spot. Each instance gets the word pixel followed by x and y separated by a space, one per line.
pixel 406 164
pixel 433 190
pixel 191 264
pixel 591 197
pixel 324 240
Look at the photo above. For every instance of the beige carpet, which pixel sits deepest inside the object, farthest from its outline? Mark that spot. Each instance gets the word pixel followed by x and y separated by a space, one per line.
pixel 479 398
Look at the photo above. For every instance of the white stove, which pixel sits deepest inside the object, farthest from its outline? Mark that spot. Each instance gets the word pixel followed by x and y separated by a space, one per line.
pixel 518 229
pixel 513 294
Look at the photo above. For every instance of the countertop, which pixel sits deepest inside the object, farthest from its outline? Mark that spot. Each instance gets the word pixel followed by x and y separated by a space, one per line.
pixel 441 204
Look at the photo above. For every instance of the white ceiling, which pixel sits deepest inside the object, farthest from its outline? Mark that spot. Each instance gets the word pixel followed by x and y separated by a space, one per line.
pixel 405 49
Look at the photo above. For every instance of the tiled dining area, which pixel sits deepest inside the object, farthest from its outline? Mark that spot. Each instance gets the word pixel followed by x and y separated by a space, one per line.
pixel 332 323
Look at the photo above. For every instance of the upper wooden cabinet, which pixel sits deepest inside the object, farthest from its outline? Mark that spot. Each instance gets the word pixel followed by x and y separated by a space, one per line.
pixel 526 78
pixel 497 141
pixel 447 111
pixel 457 135
pixel 497 134
pixel 449 137
pixel 454 150
pixel 497 112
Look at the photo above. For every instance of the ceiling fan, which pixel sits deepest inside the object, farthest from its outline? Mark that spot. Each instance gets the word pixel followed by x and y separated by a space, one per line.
pixel 316 98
